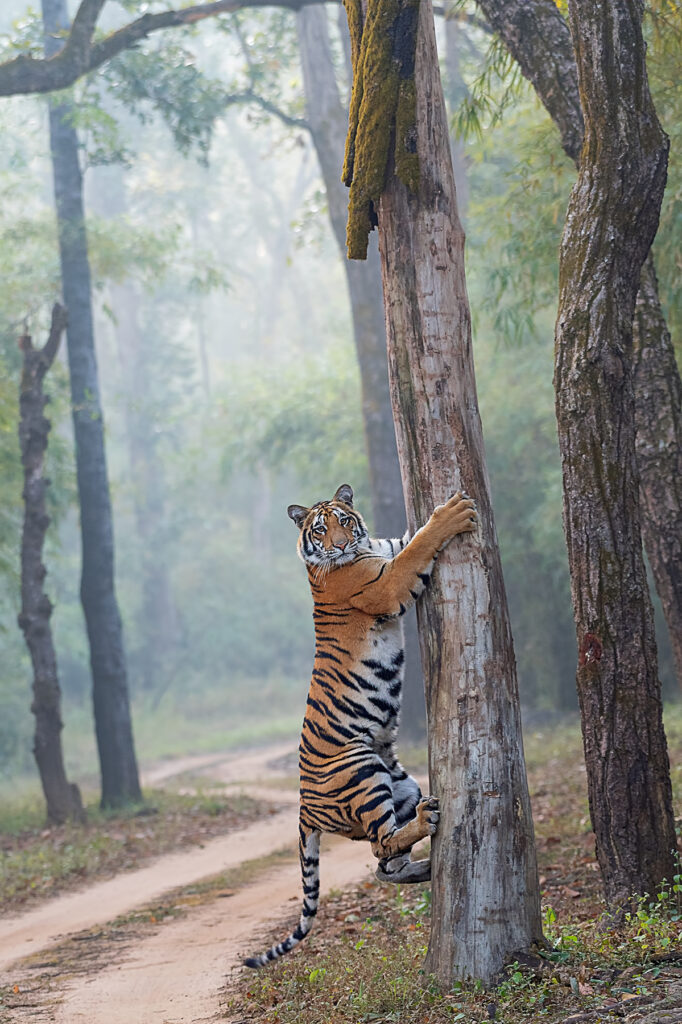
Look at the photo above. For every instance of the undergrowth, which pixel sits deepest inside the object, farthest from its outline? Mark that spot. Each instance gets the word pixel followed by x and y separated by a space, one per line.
pixel 369 966
pixel 36 861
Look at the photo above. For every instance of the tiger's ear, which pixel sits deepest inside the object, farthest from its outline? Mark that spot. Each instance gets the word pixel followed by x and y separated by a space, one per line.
pixel 298 514
pixel 344 494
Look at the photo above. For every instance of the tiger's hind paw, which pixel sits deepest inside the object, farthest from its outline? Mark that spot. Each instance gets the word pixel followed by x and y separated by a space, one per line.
pixel 428 814
pixel 412 871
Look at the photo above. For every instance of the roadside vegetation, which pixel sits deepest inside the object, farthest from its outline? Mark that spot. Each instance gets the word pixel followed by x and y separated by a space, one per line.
pixel 37 862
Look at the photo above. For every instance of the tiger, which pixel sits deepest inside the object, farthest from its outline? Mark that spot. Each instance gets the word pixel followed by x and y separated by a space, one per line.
pixel 351 781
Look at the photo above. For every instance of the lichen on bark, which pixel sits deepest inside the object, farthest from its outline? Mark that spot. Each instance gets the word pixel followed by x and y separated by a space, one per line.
pixel 382 109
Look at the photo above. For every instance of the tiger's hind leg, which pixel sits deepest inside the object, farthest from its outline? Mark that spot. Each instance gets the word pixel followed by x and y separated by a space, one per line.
pixel 388 836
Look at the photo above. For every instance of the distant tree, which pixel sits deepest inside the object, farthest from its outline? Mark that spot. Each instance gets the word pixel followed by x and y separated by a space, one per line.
pixel 611 222
pixel 62 798
pixel 536 34
pixel 159 620
pixel 485 905
pixel 113 727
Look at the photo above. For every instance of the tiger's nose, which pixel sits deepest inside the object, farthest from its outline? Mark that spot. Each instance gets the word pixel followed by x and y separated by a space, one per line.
pixel 341 547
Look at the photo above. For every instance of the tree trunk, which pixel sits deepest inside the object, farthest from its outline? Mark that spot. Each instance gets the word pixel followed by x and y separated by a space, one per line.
pixel 485 905
pixel 62 798
pixel 538 38
pixel 328 121
pixel 110 686
pixel 455 91
pixel 611 221
pixel 658 443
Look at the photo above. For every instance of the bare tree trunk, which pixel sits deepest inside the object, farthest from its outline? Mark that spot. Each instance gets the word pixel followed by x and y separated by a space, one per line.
pixel 328 121
pixel 63 798
pixel 538 38
pixel 113 726
pixel 611 221
pixel 485 903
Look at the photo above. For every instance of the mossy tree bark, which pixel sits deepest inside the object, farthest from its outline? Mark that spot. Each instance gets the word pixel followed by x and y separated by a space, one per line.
pixel 328 120
pixel 538 37
pixel 612 219
pixel 485 905
pixel 113 726
pixel 62 798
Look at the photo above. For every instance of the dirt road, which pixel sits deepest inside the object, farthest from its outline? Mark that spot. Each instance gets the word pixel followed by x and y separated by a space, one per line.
pixel 174 975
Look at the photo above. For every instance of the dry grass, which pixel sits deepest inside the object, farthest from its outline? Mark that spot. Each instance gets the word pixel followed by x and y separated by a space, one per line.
pixel 40 862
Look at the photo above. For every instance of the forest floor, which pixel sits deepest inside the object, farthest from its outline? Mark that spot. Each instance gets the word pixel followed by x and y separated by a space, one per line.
pixel 163 943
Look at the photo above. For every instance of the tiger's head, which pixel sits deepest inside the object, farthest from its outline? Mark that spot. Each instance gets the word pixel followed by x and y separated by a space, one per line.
pixel 331 531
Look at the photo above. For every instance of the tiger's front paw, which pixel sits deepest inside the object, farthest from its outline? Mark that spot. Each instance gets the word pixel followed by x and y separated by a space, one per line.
pixel 455 516
pixel 428 814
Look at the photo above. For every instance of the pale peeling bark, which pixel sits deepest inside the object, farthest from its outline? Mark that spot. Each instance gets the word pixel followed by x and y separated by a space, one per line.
pixel 538 37
pixel 612 219
pixel 485 888
pixel 61 797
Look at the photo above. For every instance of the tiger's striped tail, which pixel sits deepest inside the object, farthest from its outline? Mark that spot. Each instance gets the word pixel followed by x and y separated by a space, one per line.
pixel 309 853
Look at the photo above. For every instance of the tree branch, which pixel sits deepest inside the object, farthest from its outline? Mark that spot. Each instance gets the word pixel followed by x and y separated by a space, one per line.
pixel 539 39
pixel 252 97
pixel 26 74
pixel 57 327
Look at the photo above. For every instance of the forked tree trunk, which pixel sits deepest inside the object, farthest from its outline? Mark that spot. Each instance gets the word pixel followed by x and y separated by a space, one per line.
pixel 485 904
pixel 612 219
pixel 120 782
pixel 328 121
pixel 536 35
pixel 62 798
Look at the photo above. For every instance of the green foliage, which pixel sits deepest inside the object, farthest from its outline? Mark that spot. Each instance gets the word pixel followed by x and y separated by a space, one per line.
pixel 496 85
pixel 166 80
pixel 300 416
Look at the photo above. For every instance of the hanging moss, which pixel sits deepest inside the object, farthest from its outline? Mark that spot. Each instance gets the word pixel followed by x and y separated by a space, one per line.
pixel 354 15
pixel 383 104
pixel 406 158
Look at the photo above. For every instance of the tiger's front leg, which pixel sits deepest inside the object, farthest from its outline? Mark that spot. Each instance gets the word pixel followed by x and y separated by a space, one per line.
pixel 392 586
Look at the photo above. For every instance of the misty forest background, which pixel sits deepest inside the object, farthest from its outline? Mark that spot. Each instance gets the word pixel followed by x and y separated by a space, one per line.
pixel 229 376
